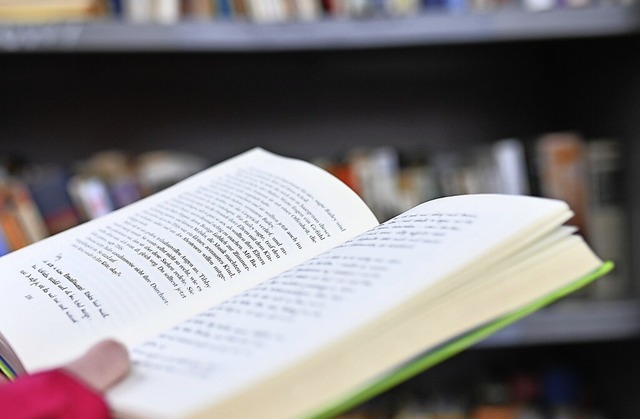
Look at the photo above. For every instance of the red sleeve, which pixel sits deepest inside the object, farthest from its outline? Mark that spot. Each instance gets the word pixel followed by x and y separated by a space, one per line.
pixel 52 395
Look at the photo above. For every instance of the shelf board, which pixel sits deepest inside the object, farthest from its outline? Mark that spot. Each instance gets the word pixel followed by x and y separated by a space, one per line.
pixel 571 322
pixel 424 29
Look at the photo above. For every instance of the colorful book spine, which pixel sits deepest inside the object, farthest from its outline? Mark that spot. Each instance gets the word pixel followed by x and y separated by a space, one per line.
pixel 13 232
pixel 562 169
pixel 27 211
pixel 48 187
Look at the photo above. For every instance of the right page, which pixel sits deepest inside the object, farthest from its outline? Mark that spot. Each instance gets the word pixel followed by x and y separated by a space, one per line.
pixel 310 335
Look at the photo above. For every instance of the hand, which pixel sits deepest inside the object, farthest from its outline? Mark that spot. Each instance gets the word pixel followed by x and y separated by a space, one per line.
pixel 101 366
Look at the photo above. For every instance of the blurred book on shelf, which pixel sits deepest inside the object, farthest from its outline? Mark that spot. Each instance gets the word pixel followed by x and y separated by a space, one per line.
pixel 156 170
pixel 47 11
pixel 29 215
pixel 48 186
pixel 606 215
pixel 14 236
pixel 562 172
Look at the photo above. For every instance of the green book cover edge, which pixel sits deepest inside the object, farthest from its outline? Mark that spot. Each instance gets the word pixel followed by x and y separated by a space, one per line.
pixel 448 350
pixel 6 370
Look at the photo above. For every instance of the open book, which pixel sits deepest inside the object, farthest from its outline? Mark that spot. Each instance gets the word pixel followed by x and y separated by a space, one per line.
pixel 264 287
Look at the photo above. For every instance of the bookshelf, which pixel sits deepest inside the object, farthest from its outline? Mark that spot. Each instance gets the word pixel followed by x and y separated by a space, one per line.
pixel 427 82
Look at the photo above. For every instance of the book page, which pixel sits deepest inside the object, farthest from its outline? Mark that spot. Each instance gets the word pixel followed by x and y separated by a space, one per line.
pixel 265 329
pixel 147 266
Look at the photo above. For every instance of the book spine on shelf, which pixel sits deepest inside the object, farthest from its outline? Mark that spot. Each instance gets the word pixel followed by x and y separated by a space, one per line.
pixel 606 217
pixel 511 165
pixel 561 160
pixel 48 187
pixel 14 234
pixel 90 196
pixel 28 213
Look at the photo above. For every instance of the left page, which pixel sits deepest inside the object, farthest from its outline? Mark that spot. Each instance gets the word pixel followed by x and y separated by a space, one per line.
pixel 141 269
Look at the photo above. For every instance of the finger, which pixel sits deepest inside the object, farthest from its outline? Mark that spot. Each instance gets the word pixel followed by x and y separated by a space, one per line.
pixel 102 366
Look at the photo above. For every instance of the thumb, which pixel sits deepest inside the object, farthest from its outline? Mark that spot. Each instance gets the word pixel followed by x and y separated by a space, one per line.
pixel 101 366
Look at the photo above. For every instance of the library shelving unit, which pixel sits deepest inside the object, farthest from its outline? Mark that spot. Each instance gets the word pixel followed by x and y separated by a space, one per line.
pixel 309 89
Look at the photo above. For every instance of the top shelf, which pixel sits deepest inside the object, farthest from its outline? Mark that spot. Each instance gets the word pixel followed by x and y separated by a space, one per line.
pixel 234 36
